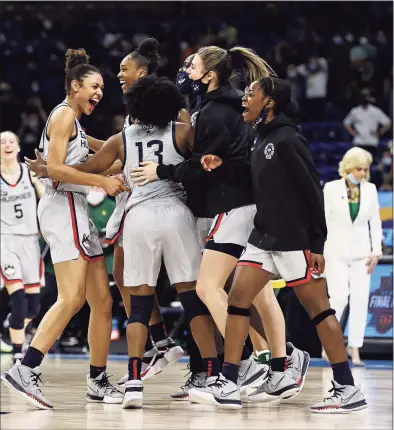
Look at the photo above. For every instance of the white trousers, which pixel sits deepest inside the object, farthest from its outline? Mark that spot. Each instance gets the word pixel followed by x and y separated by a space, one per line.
pixel 349 280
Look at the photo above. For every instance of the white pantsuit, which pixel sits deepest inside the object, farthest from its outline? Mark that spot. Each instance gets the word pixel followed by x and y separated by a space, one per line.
pixel 348 246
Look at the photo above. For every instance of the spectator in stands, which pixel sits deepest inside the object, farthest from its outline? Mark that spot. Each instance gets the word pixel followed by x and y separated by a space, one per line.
pixel 367 123
pixel 386 168
pixel 354 242
pixel 315 73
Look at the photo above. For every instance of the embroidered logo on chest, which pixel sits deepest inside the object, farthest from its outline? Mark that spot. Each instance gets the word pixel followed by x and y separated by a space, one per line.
pixel 269 151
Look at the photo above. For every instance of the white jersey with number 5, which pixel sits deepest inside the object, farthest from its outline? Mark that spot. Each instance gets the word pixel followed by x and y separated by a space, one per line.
pixel 148 143
pixel 77 152
pixel 19 205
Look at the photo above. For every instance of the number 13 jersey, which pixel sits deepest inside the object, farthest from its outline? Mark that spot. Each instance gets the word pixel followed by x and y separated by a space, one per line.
pixel 149 143
pixel 19 205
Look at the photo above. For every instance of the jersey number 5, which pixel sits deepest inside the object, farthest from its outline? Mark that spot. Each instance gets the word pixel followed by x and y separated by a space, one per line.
pixel 151 143
pixel 18 211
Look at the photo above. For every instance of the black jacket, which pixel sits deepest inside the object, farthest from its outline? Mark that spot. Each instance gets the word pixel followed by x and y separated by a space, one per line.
pixel 290 204
pixel 219 130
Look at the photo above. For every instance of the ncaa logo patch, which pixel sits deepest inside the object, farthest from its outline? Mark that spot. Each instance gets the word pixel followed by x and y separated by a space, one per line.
pixel 269 151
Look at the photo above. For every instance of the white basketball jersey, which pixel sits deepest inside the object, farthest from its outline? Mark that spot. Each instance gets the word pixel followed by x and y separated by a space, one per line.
pixel 19 205
pixel 148 143
pixel 77 152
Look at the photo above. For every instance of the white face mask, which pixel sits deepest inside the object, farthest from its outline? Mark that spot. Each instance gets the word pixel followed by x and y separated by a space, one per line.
pixel 95 196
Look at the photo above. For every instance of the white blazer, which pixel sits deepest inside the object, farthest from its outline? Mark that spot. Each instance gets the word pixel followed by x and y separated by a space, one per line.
pixel 346 239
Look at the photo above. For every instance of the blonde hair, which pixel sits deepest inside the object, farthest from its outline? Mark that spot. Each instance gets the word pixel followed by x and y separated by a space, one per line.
pixel 13 134
pixel 355 157
pixel 220 61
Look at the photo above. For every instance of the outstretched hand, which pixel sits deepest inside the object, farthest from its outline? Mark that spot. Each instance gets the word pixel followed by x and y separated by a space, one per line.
pixel 37 166
pixel 145 173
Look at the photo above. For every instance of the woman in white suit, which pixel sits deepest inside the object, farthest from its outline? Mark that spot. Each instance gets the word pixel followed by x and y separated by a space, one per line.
pixel 354 242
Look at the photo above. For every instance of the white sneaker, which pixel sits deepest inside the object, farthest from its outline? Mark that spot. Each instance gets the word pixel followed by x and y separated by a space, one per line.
pixel 134 394
pixel 24 381
pixel 101 390
pixel 219 392
pixel 171 351
pixel 343 399
pixel 251 374
pixel 298 363
pixel 196 380
pixel 156 365
pixel 279 385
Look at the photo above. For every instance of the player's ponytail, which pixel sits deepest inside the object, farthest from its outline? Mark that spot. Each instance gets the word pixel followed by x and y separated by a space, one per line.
pixel 77 67
pixel 224 63
pixel 147 55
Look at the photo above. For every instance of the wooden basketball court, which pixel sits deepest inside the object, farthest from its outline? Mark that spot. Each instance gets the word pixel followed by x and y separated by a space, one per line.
pixel 65 386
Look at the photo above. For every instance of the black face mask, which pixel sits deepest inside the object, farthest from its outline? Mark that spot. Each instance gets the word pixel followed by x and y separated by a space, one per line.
pixel 263 115
pixel 198 87
pixel 184 83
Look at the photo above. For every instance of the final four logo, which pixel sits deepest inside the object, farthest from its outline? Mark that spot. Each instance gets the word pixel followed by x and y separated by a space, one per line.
pixel 381 305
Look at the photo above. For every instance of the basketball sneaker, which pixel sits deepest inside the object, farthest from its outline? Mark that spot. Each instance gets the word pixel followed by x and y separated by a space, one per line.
pixel 343 399
pixel 196 380
pixel 134 394
pixel 251 374
pixel 219 392
pixel 24 381
pixel 101 390
pixel 151 368
pixel 171 351
pixel 297 366
pixel 17 357
pixel 279 385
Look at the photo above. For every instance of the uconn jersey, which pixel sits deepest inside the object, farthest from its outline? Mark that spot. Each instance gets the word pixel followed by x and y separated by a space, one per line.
pixel 158 225
pixel 63 210
pixel 20 251
pixel 148 143
pixel 77 152
pixel 19 205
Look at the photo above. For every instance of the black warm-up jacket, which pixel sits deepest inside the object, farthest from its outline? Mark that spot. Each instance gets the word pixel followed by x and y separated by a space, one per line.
pixel 290 204
pixel 219 130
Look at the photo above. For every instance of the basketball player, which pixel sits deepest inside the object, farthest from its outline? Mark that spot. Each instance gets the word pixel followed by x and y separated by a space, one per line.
pixel 228 194
pixel 288 240
pixel 139 63
pixel 20 251
pixel 73 240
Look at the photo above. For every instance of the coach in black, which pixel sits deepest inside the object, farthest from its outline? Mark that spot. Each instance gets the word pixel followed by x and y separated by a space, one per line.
pixel 287 240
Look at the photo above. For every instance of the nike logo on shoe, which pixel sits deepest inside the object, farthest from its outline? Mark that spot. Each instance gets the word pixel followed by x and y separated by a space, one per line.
pixel 242 377
pixel 228 394
pixel 277 384
pixel 25 384
pixel 350 397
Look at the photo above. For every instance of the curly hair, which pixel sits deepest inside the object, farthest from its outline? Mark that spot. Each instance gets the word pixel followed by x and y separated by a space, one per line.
pixel 154 101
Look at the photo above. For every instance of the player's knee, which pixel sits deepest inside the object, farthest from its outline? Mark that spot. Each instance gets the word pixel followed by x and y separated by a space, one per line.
pixel 192 304
pixel 19 309
pixel 72 303
pixel 33 305
pixel 237 298
pixel 202 291
pixel 235 310
pixel 141 309
pixel 320 317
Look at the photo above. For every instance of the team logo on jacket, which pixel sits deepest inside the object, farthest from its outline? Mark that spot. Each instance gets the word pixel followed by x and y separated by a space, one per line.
pixel 9 270
pixel 269 151
pixel 193 119
pixel 86 242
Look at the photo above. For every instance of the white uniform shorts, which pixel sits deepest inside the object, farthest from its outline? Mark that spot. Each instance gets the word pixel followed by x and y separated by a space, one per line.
pixel 154 231
pixel 20 260
pixel 291 266
pixel 66 227
pixel 230 231
pixel 115 224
